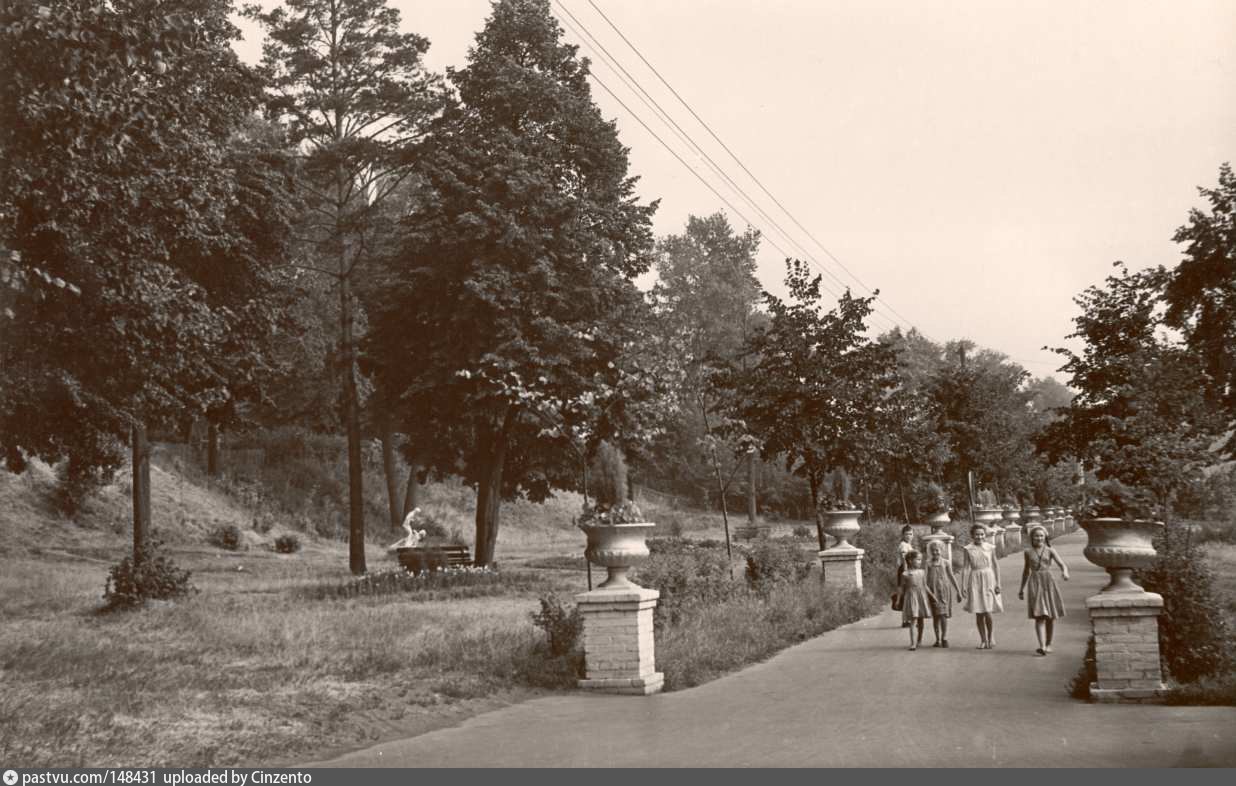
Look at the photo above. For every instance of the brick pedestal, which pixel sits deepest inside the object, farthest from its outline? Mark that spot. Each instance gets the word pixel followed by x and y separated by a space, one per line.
pixel 843 567
pixel 1126 646
pixel 618 640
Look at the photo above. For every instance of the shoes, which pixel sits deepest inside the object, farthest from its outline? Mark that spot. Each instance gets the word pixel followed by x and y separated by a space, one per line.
pixel 913 648
pixel 1040 651
pixel 1047 649
pixel 944 643
pixel 937 644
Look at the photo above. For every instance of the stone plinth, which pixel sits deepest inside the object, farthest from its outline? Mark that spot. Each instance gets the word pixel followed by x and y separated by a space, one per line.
pixel 843 567
pixel 618 640
pixel 1126 646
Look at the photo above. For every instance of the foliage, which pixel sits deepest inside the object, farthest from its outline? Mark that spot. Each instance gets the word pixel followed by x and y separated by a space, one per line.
pixel 510 302
pixel 448 582
pixel 153 577
pixel 930 499
pixel 688 575
pixel 1142 415
pixel 226 537
pixel 1113 499
pixel 131 171
pixel 609 484
pixel 771 562
pixel 287 543
pixel 879 541
pixel 1200 292
pixel 815 393
pixel 1087 674
pixel 562 625
pixel 1195 638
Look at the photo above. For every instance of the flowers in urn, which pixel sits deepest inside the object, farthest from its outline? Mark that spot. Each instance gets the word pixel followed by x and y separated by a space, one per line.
pixel 1120 523
pixel 615 528
pixel 932 503
pixel 609 487
pixel 1115 500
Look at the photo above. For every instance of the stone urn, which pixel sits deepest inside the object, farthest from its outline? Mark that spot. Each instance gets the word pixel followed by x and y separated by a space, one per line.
pixel 1012 530
pixel 1031 515
pixel 618 548
pixel 1120 546
pixel 842 525
pixel 940 519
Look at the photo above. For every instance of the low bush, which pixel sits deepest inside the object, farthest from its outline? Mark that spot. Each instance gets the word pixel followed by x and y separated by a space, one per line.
pixel 879 540
pixel 802 531
pixel 771 561
pixel 563 625
pixel 287 544
pixel 154 577
pixel 225 536
pixel 687 574
pixel 1194 636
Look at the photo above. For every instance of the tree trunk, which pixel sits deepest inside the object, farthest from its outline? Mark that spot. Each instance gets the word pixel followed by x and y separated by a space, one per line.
pixel 412 493
pixel 212 449
pixel 388 468
pixel 813 482
pixel 492 446
pixel 141 489
pixel 751 507
pixel 351 419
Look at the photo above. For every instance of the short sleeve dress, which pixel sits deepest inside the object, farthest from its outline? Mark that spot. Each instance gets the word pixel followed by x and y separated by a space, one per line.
pixel 915 603
pixel 938 583
pixel 1042 595
pixel 981 597
pixel 903 549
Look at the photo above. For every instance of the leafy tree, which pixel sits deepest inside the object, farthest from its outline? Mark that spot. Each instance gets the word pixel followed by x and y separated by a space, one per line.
pixel 816 392
pixel 1200 292
pixel 1142 414
pixel 356 98
pixel 705 301
pixel 122 175
pixel 510 304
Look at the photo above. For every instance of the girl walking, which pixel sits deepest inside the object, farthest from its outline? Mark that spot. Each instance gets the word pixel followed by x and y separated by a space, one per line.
pixel 942 584
pixel 1038 588
pixel 916 599
pixel 980 575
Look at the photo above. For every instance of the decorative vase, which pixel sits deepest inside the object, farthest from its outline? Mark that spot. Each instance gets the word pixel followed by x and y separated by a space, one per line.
pixel 842 525
pixel 618 548
pixel 1032 514
pixel 1120 546
pixel 937 518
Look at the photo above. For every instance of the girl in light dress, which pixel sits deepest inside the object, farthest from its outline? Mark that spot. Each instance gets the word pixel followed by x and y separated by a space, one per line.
pixel 916 598
pixel 942 583
pixel 980 575
pixel 1043 602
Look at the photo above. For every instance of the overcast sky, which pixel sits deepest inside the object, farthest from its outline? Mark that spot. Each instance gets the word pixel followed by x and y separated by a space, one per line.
pixel 978 162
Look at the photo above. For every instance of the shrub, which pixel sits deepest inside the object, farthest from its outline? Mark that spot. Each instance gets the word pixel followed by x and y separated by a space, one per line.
pixel 1194 635
pixel 686 574
pixel 802 531
pixel 562 625
pixel 287 544
pixel 771 562
pixel 879 539
pixel 225 536
pixel 263 523
pixel 154 577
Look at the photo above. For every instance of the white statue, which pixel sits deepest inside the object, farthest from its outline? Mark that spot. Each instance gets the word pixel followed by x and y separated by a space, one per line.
pixel 414 536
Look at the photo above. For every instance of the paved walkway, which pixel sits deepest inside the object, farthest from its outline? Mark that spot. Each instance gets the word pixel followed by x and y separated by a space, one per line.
pixel 854 697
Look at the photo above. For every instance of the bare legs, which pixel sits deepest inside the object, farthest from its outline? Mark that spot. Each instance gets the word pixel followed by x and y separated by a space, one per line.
pixel 916 640
pixel 982 621
pixel 1044 627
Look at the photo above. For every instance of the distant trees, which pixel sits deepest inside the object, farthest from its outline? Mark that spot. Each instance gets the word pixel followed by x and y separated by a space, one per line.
pixel 510 302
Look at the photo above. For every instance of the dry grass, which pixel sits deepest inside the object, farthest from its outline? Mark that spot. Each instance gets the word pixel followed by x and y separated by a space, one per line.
pixel 249 670
pixel 1222 560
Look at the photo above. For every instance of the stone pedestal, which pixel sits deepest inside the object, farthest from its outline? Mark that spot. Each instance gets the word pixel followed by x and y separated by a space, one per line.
pixel 1126 646
pixel 618 640
pixel 843 567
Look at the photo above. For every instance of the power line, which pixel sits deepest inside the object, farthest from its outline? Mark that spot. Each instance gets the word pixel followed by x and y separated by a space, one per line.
pixel 627 79
pixel 743 166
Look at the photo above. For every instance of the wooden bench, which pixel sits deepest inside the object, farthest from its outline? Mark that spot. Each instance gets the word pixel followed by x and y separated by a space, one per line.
pixel 415 559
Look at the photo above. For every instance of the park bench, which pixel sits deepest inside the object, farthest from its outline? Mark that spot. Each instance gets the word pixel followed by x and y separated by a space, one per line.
pixel 415 559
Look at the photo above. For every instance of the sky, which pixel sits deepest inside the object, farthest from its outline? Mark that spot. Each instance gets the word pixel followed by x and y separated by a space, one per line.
pixel 980 162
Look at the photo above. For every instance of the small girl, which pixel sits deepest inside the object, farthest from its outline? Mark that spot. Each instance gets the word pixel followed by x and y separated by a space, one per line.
pixel 1044 604
pixel 980 575
pixel 916 599
pixel 939 578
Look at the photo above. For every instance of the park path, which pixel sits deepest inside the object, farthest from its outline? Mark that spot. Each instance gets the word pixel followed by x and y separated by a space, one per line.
pixel 853 697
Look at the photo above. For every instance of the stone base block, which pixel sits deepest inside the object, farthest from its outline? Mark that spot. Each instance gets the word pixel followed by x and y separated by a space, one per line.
pixel 843 567
pixel 618 640
pixel 1126 646
pixel 631 686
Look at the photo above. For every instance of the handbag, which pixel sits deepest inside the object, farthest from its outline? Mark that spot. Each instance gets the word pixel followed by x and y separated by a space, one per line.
pixel 897 601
